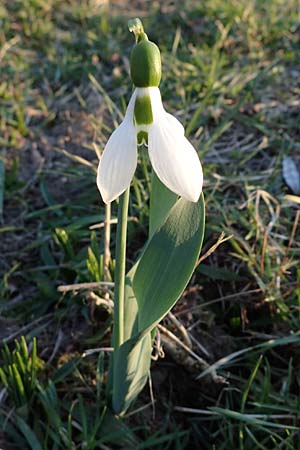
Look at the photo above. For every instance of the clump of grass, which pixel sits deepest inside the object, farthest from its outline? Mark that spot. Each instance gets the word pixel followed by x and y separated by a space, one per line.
pixel 19 372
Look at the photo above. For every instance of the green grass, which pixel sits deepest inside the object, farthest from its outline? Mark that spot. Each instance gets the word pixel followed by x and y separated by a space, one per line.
pixel 231 75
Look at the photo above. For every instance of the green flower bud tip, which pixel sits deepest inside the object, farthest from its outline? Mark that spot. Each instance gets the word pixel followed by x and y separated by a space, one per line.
pixel 145 61
pixel 135 26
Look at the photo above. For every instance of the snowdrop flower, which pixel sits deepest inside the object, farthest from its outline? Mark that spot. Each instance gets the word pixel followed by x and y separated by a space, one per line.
pixel 173 158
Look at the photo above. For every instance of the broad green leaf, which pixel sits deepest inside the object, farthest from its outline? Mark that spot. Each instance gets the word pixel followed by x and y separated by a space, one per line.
pixel 170 255
pixel 131 368
pixel 131 364
pixel 130 330
pixel 176 233
pixel 161 201
pixel 168 261
pixel 130 307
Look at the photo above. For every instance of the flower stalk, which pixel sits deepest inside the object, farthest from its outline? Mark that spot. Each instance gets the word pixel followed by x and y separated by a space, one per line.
pixel 107 255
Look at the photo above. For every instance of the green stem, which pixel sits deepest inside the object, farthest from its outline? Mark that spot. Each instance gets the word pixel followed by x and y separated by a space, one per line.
pixel 118 333
pixel 107 256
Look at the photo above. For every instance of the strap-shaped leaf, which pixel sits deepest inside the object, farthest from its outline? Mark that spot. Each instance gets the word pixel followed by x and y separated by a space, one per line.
pixel 161 201
pixel 168 261
pixel 130 307
pixel 131 368
pixel 130 365
pixel 152 287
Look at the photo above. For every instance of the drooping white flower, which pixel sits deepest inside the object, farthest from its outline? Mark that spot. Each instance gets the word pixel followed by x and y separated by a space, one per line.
pixel 173 158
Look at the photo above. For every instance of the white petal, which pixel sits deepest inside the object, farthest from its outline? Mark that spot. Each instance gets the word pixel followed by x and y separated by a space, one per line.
pixel 158 108
pixel 175 123
pixel 119 159
pixel 174 159
pixel 130 107
pixel 155 97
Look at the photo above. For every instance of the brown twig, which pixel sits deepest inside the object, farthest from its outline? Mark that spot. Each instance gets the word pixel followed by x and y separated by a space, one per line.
pixel 103 285
pixel 185 356
pixel 221 240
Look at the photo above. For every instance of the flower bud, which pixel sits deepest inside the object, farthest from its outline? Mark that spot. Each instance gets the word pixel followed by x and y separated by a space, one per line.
pixel 145 61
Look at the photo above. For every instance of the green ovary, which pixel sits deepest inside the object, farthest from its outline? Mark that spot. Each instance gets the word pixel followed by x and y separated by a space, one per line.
pixel 145 64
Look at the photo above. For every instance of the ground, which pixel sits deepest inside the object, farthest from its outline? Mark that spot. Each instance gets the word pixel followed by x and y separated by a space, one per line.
pixel 231 75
